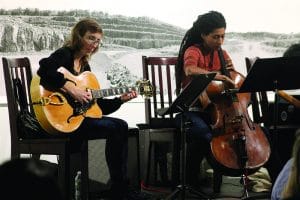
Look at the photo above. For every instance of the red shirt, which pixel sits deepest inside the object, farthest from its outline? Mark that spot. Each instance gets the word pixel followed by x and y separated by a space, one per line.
pixel 194 56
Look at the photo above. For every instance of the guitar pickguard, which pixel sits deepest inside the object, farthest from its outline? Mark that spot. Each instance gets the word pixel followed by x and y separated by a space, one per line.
pixel 80 109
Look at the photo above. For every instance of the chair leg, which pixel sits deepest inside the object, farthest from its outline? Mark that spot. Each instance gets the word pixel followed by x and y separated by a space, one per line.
pixel 85 171
pixel 158 162
pixel 155 162
pixel 15 154
pixel 175 161
pixel 36 156
pixel 149 164
pixel 217 181
pixel 138 159
pixel 161 150
pixel 64 175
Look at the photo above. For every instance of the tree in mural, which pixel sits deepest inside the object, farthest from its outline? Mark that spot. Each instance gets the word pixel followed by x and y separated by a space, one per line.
pixel 119 76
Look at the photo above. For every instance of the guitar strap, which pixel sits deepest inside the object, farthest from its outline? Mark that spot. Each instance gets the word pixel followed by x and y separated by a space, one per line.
pixel 28 125
pixel 20 95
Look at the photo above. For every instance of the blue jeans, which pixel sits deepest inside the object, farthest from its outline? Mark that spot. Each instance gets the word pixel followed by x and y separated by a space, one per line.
pixel 198 129
pixel 198 136
pixel 115 131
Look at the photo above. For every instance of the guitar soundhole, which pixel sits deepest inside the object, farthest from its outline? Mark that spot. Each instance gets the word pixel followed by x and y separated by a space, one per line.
pixel 80 109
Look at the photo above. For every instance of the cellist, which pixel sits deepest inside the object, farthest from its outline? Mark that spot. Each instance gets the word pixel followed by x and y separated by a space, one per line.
pixel 198 54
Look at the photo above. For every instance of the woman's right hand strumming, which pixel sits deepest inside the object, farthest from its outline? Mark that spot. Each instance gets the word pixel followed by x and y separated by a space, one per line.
pixel 226 79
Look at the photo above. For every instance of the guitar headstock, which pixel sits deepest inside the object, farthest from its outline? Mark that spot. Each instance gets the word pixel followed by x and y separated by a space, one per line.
pixel 145 88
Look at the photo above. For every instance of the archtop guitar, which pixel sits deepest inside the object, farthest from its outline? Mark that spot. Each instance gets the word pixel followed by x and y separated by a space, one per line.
pixel 58 112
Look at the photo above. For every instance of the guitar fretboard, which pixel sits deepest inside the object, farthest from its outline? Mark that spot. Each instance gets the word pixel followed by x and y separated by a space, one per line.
pixel 111 92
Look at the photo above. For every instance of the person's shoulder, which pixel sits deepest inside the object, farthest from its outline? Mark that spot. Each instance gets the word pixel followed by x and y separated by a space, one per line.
pixel 281 180
pixel 288 165
pixel 62 54
pixel 193 50
pixel 66 51
pixel 223 50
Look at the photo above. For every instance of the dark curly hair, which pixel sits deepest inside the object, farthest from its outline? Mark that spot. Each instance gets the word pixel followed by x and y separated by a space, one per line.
pixel 293 50
pixel 205 24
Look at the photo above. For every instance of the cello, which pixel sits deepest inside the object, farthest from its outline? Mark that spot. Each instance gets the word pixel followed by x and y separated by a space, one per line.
pixel 238 144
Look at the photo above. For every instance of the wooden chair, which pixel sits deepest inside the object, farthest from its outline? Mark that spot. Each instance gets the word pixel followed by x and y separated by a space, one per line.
pixel 159 130
pixel 66 148
pixel 259 101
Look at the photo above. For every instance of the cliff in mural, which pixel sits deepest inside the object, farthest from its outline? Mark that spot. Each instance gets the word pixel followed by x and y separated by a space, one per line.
pixel 17 35
pixel 35 33
pixel 35 30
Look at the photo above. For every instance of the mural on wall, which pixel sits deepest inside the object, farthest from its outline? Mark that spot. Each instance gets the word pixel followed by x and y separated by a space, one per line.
pixel 36 33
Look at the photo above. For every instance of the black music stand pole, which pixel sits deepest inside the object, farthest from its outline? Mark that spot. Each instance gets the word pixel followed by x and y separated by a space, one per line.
pixel 181 104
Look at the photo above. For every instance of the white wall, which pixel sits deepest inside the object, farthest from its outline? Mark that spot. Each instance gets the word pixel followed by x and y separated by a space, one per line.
pixel 4 135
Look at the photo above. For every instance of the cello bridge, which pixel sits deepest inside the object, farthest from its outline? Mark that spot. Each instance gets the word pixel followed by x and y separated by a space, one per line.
pixel 237 120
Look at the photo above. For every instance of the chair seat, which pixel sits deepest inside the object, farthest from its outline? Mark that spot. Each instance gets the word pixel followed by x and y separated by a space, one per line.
pixel 157 123
pixel 45 146
pixel 161 135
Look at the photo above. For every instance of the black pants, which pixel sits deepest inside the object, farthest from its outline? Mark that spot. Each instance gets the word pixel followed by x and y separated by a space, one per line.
pixel 198 136
pixel 115 131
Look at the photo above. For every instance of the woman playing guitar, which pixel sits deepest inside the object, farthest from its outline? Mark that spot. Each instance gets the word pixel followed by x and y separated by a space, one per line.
pixel 72 60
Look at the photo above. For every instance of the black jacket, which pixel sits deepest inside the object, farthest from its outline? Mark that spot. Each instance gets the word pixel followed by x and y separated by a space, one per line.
pixel 50 78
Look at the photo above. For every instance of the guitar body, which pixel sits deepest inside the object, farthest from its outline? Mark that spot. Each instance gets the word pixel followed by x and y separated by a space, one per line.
pixel 58 112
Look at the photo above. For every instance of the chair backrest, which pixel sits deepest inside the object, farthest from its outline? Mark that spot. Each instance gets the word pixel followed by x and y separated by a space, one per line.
pixel 16 68
pixel 260 103
pixel 161 73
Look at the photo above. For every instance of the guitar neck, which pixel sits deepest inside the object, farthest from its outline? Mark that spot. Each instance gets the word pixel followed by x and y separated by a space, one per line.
pixel 111 92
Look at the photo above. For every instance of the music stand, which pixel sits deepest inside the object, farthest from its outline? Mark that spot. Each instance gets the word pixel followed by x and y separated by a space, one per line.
pixel 273 74
pixel 268 74
pixel 181 104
